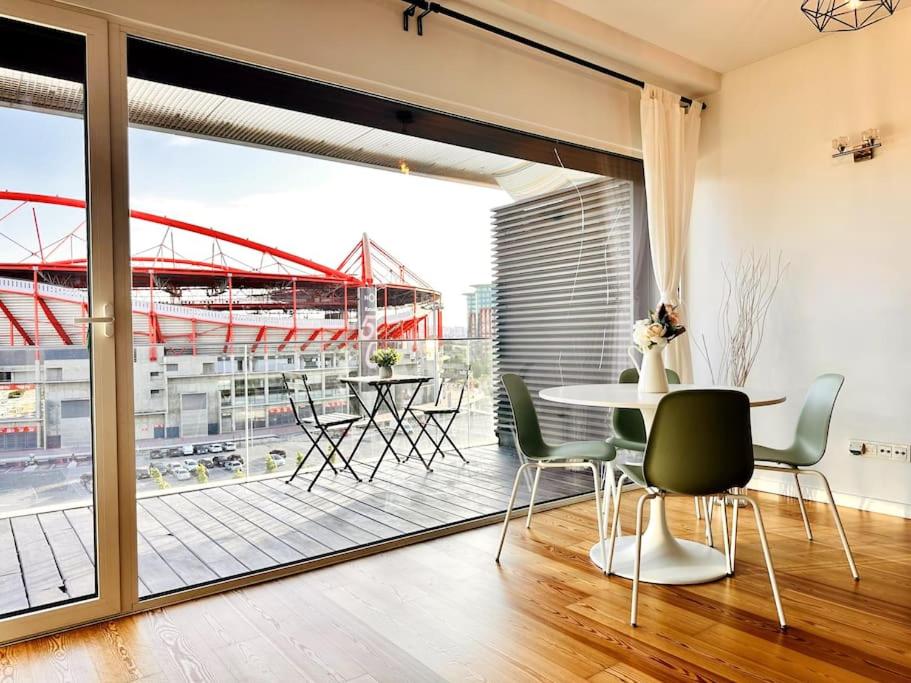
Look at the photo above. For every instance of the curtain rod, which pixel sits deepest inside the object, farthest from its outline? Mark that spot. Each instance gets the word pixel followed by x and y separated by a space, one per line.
pixel 437 8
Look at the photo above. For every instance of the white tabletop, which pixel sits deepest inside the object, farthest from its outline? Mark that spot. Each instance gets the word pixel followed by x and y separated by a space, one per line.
pixel 628 396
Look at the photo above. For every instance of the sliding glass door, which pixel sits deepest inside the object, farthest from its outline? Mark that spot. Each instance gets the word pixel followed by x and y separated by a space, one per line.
pixel 58 552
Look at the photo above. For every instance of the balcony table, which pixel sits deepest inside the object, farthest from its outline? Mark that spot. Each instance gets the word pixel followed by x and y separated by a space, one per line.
pixel 665 559
pixel 384 387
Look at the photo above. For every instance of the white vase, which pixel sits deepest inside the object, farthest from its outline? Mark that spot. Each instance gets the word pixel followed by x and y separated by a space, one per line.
pixel 385 372
pixel 652 378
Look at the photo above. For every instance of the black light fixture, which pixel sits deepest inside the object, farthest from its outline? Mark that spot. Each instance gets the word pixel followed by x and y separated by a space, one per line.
pixel 847 15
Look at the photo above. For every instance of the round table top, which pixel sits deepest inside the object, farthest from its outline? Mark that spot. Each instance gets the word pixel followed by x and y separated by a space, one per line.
pixel 628 396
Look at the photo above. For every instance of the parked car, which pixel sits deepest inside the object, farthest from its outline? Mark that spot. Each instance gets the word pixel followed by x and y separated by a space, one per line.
pixel 156 454
pixel 176 452
pixel 142 473
pixel 277 452
pixel 180 472
pixel 220 460
pixel 187 449
pixel 279 460
pixel 216 448
pixel 208 463
pixel 230 446
pixel 190 463
pixel 201 449
pixel 234 465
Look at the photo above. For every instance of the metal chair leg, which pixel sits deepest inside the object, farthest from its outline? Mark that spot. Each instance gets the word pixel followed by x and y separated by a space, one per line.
pixel 767 555
pixel 512 500
pixel 615 526
pixel 634 609
pixel 724 532
pixel 445 435
pixel 607 495
pixel 734 536
pixel 597 478
pixel 803 508
pixel 838 524
pixel 531 501
pixel 707 513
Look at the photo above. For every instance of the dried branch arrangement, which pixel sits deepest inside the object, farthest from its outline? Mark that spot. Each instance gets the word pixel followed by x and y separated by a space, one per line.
pixel 749 291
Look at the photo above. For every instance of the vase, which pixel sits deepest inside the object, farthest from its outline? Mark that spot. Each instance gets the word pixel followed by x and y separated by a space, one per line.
pixel 386 372
pixel 652 377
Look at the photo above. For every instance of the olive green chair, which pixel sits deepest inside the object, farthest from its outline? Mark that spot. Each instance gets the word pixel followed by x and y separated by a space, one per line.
pixel 807 450
pixel 539 455
pixel 700 445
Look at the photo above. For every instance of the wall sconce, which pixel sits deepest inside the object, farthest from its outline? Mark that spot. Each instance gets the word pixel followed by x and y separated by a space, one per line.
pixel 870 140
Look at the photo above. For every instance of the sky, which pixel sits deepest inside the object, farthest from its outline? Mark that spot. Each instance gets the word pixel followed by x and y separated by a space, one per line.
pixel 312 207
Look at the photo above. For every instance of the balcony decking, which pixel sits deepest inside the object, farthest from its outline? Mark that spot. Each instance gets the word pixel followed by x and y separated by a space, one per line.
pixel 200 536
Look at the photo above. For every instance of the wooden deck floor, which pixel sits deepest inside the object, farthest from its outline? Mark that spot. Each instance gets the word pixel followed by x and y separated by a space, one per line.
pixel 201 536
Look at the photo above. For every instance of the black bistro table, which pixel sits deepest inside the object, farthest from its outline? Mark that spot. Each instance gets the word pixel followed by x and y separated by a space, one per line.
pixel 384 387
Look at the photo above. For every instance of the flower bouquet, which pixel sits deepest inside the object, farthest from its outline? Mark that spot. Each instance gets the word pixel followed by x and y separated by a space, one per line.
pixel 651 335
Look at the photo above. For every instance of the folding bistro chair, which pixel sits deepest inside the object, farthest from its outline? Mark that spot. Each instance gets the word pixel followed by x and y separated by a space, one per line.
pixel 323 423
pixel 431 413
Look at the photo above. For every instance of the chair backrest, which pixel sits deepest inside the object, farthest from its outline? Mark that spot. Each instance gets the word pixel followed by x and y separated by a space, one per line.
pixel 627 423
pixel 462 389
pixel 815 418
pixel 700 442
pixel 294 381
pixel 528 429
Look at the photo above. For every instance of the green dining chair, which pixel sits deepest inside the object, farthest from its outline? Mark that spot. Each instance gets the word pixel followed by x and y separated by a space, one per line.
pixel 806 451
pixel 539 455
pixel 700 445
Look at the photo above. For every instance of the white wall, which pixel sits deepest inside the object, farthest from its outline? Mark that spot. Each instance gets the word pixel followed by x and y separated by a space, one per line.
pixel 766 181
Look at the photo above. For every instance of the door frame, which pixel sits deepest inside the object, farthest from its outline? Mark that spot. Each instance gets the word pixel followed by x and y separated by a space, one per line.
pixel 107 602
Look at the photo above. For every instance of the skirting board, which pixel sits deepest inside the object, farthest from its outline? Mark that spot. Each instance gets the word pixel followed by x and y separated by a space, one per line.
pixel 784 485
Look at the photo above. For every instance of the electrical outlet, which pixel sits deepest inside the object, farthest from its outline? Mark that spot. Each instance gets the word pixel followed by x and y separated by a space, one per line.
pixel 884 451
pixel 900 452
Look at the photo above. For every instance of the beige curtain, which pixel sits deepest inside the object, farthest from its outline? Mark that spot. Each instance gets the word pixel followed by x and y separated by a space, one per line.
pixel 670 140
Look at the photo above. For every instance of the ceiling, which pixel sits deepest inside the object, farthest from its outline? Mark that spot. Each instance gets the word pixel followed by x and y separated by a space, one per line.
pixel 719 34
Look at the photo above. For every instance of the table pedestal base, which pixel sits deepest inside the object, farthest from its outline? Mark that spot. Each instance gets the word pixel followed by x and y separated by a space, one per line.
pixel 665 559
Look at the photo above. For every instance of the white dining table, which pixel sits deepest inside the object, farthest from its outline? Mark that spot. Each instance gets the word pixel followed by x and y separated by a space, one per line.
pixel 665 558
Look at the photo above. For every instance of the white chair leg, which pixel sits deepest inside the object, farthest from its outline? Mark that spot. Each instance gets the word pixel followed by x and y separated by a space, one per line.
pixel 531 501
pixel 724 532
pixel 615 526
pixel 803 507
pixel 696 505
pixel 736 507
pixel 597 478
pixel 767 555
pixel 608 495
pixel 838 524
pixel 637 560
pixel 707 513
pixel 512 501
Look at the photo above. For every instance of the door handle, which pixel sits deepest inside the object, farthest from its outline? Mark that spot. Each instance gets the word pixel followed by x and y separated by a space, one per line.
pixel 107 319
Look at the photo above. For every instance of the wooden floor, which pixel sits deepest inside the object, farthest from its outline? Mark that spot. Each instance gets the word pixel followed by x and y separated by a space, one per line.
pixel 443 610
pixel 197 537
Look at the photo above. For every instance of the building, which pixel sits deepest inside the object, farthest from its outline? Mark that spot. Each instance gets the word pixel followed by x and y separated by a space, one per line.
pixel 479 302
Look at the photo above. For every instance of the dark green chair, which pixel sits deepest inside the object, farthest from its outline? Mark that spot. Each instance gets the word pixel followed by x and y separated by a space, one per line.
pixel 626 423
pixel 700 445
pixel 807 450
pixel 539 455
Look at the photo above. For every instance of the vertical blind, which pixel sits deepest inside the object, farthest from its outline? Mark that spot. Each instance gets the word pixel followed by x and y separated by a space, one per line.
pixel 564 274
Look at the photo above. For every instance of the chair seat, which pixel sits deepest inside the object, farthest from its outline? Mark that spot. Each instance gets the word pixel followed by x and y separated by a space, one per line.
pixel 781 456
pixel 580 450
pixel 333 419
pixel 634 471
pixel 626 444
pixel 434 409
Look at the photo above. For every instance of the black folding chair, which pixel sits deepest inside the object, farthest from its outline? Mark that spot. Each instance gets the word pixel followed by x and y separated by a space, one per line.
pixel 323 423
pixel 434 412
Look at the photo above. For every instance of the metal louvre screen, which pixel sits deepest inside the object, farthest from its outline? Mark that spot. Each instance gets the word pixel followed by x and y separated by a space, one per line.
pixel 563 314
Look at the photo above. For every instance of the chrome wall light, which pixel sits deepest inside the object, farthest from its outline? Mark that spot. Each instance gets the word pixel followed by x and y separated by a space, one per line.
pixel 869 141
pixel 847 15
